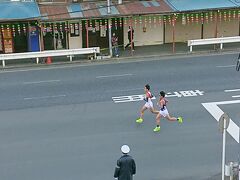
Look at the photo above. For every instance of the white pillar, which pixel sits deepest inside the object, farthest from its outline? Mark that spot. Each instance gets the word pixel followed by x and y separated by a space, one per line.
pixel 3 63
pixel 224 148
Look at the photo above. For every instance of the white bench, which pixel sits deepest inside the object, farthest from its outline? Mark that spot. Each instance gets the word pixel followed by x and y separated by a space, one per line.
pixel 220 41
pixel 68 52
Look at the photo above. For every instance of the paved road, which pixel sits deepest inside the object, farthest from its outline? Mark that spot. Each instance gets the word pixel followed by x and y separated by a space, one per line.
pixel 62 123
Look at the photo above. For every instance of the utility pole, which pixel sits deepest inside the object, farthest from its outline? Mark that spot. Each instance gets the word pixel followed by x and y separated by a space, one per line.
pixel 109 27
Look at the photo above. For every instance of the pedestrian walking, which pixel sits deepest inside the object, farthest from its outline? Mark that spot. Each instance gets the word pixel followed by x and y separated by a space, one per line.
pixel 164 112
pixel 130 38
pixel 115 45
pixel 148 104
pixel 126 166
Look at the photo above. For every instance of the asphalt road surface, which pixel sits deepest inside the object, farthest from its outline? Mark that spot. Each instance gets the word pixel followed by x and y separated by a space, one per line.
pixel 69 122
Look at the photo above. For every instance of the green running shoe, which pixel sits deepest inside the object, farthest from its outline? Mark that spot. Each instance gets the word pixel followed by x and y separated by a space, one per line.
pixel 139 120
pixel 180 120
pixel 156 129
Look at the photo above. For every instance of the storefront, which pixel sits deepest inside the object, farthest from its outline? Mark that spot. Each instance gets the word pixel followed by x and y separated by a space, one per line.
pixel 16 35
pixel 54 36
pixel 95 33
pixel 148 30
pixel 75 34
pixel 20 37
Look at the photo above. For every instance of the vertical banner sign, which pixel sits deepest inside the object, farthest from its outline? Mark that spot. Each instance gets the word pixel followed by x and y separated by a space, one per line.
pixel 33 39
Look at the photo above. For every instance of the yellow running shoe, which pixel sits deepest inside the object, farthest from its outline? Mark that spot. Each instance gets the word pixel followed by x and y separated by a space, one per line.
pixel 139 120
pixel 180 120
pixel 156 129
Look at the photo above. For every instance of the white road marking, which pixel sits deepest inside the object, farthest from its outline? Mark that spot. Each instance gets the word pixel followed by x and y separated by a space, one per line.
pixel 116 75
pixel 226 66
pixel 216 112
pixel 231 90
pixel 130 98
pixel 44 97
pixel 237 96
pixel 38 82
pixel 140 97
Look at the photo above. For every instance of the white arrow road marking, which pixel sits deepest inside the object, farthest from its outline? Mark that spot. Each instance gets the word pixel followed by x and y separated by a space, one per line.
pixel 216 112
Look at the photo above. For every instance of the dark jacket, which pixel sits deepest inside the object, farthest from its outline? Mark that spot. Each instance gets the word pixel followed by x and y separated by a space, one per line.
pixel 125 168
pixel 129 34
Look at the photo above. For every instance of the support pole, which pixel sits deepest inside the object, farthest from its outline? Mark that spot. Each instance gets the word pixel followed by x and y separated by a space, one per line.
pixel 109 27
pixel 224 149
pixel 87 33
pixel 132 35
pixel 173 22
pixel 110 36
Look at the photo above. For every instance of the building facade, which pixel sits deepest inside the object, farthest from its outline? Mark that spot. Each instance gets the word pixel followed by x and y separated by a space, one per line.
pixel 65 24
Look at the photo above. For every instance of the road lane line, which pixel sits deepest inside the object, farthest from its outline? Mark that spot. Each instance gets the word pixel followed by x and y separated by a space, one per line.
pixel 216 112
pixel 231 90
pixel 114 75
pixel 226 66
pixel 38 82
pixel 44 97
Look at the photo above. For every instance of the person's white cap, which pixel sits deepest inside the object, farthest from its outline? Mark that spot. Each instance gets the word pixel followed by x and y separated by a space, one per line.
pixel 125 149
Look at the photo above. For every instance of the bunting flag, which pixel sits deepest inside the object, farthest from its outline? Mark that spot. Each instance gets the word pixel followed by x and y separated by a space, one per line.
pixel 196 18
pixel 220 16
pixel 80 25
pixel 160 20
pixel 207 17
pixel 140 21
pixel 225 15
pixel 229 15
pixel 13 30
pixel 202 18
pixel 211 16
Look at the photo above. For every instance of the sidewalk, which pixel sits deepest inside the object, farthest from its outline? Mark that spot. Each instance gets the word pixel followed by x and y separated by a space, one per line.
pixel 140 52
pixel 180 48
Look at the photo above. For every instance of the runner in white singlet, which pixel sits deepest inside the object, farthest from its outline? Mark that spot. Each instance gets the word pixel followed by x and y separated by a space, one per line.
pixel 147 105
pixel 164 112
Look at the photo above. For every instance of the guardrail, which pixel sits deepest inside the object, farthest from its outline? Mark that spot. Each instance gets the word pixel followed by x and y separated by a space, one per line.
pixel 220 41
pixel 68 52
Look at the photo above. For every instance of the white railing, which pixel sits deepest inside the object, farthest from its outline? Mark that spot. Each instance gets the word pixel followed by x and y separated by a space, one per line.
pixel 68 52
pixel 220 41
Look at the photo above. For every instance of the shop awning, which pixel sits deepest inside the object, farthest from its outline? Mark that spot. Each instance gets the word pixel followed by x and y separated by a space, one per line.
pixel 19 10
pixel 98 9
pixel 190 5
